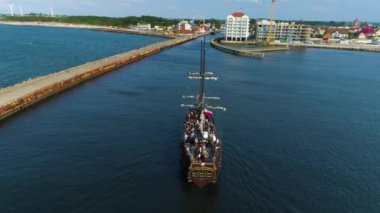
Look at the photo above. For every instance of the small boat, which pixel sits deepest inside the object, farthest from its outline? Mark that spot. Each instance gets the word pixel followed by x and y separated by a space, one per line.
pixel 202 146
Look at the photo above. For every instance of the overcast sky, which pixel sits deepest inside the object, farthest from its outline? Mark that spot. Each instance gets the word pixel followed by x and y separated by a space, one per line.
pixel 325 10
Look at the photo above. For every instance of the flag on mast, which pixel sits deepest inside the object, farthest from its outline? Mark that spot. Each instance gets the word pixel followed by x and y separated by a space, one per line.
pixel 207 113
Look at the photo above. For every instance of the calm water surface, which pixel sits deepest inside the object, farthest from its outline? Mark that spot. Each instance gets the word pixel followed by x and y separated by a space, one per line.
pixel 301 134
pixel 27 52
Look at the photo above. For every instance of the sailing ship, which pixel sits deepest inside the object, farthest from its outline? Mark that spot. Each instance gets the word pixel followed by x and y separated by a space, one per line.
pixel 202 146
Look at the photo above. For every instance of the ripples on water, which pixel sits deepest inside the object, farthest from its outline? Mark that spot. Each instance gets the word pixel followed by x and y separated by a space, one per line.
pixel 300 134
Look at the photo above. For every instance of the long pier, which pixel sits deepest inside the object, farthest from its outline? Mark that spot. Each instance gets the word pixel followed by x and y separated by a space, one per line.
pixel 17 97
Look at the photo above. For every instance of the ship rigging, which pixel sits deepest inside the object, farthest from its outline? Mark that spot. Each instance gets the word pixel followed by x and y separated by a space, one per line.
pixel 202 147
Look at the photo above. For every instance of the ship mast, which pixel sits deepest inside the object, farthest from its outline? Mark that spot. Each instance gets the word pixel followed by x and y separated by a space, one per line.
pixel 201 101
pixel 202 75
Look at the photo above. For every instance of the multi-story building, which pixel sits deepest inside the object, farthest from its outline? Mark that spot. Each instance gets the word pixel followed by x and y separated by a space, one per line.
pixel 184 25
pixel 282 31
pixel 184 28
pixel 237 27
pixel 143 26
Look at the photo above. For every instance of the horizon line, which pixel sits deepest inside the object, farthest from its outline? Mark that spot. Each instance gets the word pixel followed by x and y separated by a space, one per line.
pixel 301 20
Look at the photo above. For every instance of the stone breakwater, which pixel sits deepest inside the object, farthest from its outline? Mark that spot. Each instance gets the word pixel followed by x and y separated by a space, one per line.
pixel 17 97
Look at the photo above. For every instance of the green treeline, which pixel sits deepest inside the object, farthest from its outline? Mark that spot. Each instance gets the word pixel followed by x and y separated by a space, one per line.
pixel 153 20
pixel 94 20
pixel 99 20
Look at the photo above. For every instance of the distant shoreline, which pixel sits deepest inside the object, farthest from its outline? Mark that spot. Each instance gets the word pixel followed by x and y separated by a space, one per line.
pixel 84 26
pixel 52 24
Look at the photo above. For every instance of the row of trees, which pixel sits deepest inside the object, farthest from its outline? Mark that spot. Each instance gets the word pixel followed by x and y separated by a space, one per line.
pixel 133 20
pixel 104 21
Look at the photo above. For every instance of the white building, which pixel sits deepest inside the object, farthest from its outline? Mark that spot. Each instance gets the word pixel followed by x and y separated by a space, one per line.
pixel 337 34
pixel 143 27
pixel 377 33
pixel 158 28
pixel 237 27
pixel 362 36
pixel 184 25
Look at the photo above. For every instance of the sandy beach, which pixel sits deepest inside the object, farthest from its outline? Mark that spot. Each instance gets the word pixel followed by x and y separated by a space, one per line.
pixel 87 26
pixel 54 24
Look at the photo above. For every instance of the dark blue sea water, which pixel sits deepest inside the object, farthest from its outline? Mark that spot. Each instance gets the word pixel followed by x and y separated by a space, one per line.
pixel 301 134
pixel 27 52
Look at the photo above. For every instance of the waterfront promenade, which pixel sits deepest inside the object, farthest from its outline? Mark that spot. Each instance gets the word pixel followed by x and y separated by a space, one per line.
pixel 353 47
pixel 259 51
pixel 22 95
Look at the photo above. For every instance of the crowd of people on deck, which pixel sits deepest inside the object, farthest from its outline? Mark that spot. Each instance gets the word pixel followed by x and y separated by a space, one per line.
pixel 200 142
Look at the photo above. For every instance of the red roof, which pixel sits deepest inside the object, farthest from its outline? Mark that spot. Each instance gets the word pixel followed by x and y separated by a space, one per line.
pixel 237 14
pixel 368 30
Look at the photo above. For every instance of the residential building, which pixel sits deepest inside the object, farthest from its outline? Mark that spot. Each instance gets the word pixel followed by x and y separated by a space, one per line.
pixel 143 27
pixel 368 31
pixel 282 31
pixel 184 27
pixel 355 29
pixel 170 28
pixel 158 28
pixel 237 27
pixel 377 33
pixel 362 36
pixel 319 32
pixel 201 28
pixel 337 33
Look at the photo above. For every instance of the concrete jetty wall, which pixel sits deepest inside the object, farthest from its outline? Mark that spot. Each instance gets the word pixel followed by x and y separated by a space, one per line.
pixel 22 95
pixel 257 52
pixel 235 51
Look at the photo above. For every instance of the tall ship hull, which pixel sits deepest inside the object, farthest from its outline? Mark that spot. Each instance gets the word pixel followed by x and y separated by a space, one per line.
pixel 202 154
pixel 201 148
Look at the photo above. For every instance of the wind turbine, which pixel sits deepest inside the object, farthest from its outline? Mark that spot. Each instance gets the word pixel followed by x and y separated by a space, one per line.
pixel 11 6
pixel 21 12
pixel 51 11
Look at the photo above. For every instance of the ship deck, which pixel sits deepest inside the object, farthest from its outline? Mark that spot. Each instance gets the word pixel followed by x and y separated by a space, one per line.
pixel 200 140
